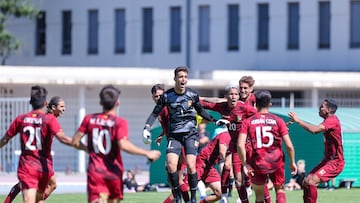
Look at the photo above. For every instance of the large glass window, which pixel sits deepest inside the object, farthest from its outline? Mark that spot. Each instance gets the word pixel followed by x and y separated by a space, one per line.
pixel 175 29
pixel 233 27
pixel 93 32
pixel 293 26
pixel 66 32
pixel 147 34
pixel 204 29
pixel 355 25
pixel 40 35
pixel 263 27
pixel 119 31
pixel 324 25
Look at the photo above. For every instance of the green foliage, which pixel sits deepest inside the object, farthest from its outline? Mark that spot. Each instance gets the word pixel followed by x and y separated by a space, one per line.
pixel 15 9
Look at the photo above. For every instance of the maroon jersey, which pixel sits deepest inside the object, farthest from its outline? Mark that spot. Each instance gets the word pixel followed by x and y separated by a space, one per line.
pixel 104 131
pixel 164 120
pixel 36 130
pixel 210 153
pixel 251 100
pixel 333 139
pixel 265 132
pixel 235 115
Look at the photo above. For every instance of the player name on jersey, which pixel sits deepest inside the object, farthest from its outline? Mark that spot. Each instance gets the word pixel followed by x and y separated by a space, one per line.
pixel 263 121
pixel 102 122
pixel 33 120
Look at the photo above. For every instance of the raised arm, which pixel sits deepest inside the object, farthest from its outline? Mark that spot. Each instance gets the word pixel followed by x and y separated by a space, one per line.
pixel 307 126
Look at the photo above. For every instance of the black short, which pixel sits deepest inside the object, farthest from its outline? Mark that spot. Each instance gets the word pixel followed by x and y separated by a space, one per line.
pixel 190 142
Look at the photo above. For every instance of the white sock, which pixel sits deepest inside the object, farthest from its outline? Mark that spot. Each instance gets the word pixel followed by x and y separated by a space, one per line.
pixel 202 189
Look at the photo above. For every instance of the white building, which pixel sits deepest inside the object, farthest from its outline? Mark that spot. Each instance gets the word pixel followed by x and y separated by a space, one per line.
pixel 78 46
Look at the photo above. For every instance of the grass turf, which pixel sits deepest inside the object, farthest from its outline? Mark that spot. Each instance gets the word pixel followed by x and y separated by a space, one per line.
pixel 324 196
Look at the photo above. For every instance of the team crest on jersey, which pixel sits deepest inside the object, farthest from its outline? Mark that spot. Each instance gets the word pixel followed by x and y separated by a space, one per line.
pixel 189 103
pixel 322 172
pixel 196 143
pixel 238 118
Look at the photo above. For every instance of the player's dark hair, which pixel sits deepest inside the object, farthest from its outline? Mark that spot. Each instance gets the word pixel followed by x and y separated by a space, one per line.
pixel 247 79
pixel 263 98
pixel 157 87
pixel 53 102
pixel 108 96
pixel 332 105
pixel 38 96
pixel 181 68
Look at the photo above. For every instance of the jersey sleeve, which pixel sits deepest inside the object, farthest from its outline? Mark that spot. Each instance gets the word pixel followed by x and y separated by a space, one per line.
pixel 14 126
pixel 328 123
pixel 54 125
pixel 283 129
pixel 84 123
pixel 122 131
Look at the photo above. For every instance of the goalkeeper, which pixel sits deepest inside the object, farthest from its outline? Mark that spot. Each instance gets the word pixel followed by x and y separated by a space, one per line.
pixel 182 104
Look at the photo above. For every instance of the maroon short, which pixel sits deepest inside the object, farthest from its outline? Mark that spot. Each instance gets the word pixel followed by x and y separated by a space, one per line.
pixel 98 184
pixel 277 177
pixel 208 174
pixel 328 169
pixel 33 174
pixel 236 162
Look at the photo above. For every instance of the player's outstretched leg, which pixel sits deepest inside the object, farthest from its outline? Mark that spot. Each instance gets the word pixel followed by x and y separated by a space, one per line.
pixel 13 192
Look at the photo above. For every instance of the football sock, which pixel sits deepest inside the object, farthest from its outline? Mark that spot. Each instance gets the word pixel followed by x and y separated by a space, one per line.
pixel 267 196
pixel 193 180
pixel 242 193
pixel 312 196
pixel 280 197
pixel 202 189
pixel 13 192
pixel 168 200
pixel 184 188
pixel 225 180
pixel 231 184
pixel 247 181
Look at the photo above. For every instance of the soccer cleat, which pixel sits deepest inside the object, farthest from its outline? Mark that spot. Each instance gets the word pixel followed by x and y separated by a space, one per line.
pixel 224 199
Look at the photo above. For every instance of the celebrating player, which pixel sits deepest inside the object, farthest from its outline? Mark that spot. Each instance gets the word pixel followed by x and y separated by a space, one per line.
pixel 333 162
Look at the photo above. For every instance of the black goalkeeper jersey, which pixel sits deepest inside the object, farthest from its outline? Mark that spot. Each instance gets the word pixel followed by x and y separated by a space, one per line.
pixel 182 110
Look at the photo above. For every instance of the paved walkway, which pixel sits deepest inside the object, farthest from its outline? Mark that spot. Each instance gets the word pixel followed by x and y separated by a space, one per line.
pixel 74 183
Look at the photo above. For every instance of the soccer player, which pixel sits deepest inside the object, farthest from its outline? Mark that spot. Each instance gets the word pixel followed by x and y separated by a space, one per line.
pixel 235 112
pixel 156 91
pixel 210 155
pixel 265 131
pixel 55 107
pixel 333 162
pixel 182 103
pixel 107 135
pixel 246 86
pixel 36 130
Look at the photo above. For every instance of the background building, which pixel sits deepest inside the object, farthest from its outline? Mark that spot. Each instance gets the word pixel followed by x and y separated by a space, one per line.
pixel 302 51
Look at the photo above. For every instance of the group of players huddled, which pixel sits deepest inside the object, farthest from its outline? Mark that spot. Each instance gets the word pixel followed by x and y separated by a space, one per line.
pixel 249 143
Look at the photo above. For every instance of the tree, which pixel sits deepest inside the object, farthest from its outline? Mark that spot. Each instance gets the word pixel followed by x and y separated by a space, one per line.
pixel 15 9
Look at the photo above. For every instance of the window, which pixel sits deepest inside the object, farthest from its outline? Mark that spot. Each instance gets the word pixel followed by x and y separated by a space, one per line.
pixel 233 27
pixel 293 26
pixel 147 35
pixel 175 29
pixel 66 33
pixel 324 25
pixel 355 25
pixel 204 29
pixel 40 35
pixel 93 32
pixel 119 31
pixel 263 27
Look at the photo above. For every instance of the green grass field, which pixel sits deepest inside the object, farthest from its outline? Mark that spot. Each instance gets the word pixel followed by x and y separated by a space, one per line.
pixel 324 196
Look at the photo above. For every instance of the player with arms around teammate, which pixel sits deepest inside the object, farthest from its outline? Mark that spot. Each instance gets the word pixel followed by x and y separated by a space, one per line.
pixel 266 131
pixel 182 104
pixel 107 134
pixel 333 162
pixel 36 130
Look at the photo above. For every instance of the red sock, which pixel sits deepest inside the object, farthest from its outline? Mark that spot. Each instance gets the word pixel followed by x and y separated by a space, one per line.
pixel 184 188
pixel 280 197
pixel 168 200
pixel 203 201
pixel 225 180
pixel 267 196
pixel 242 193
pixel 13 192
pixel 305 193
pixel 312 194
